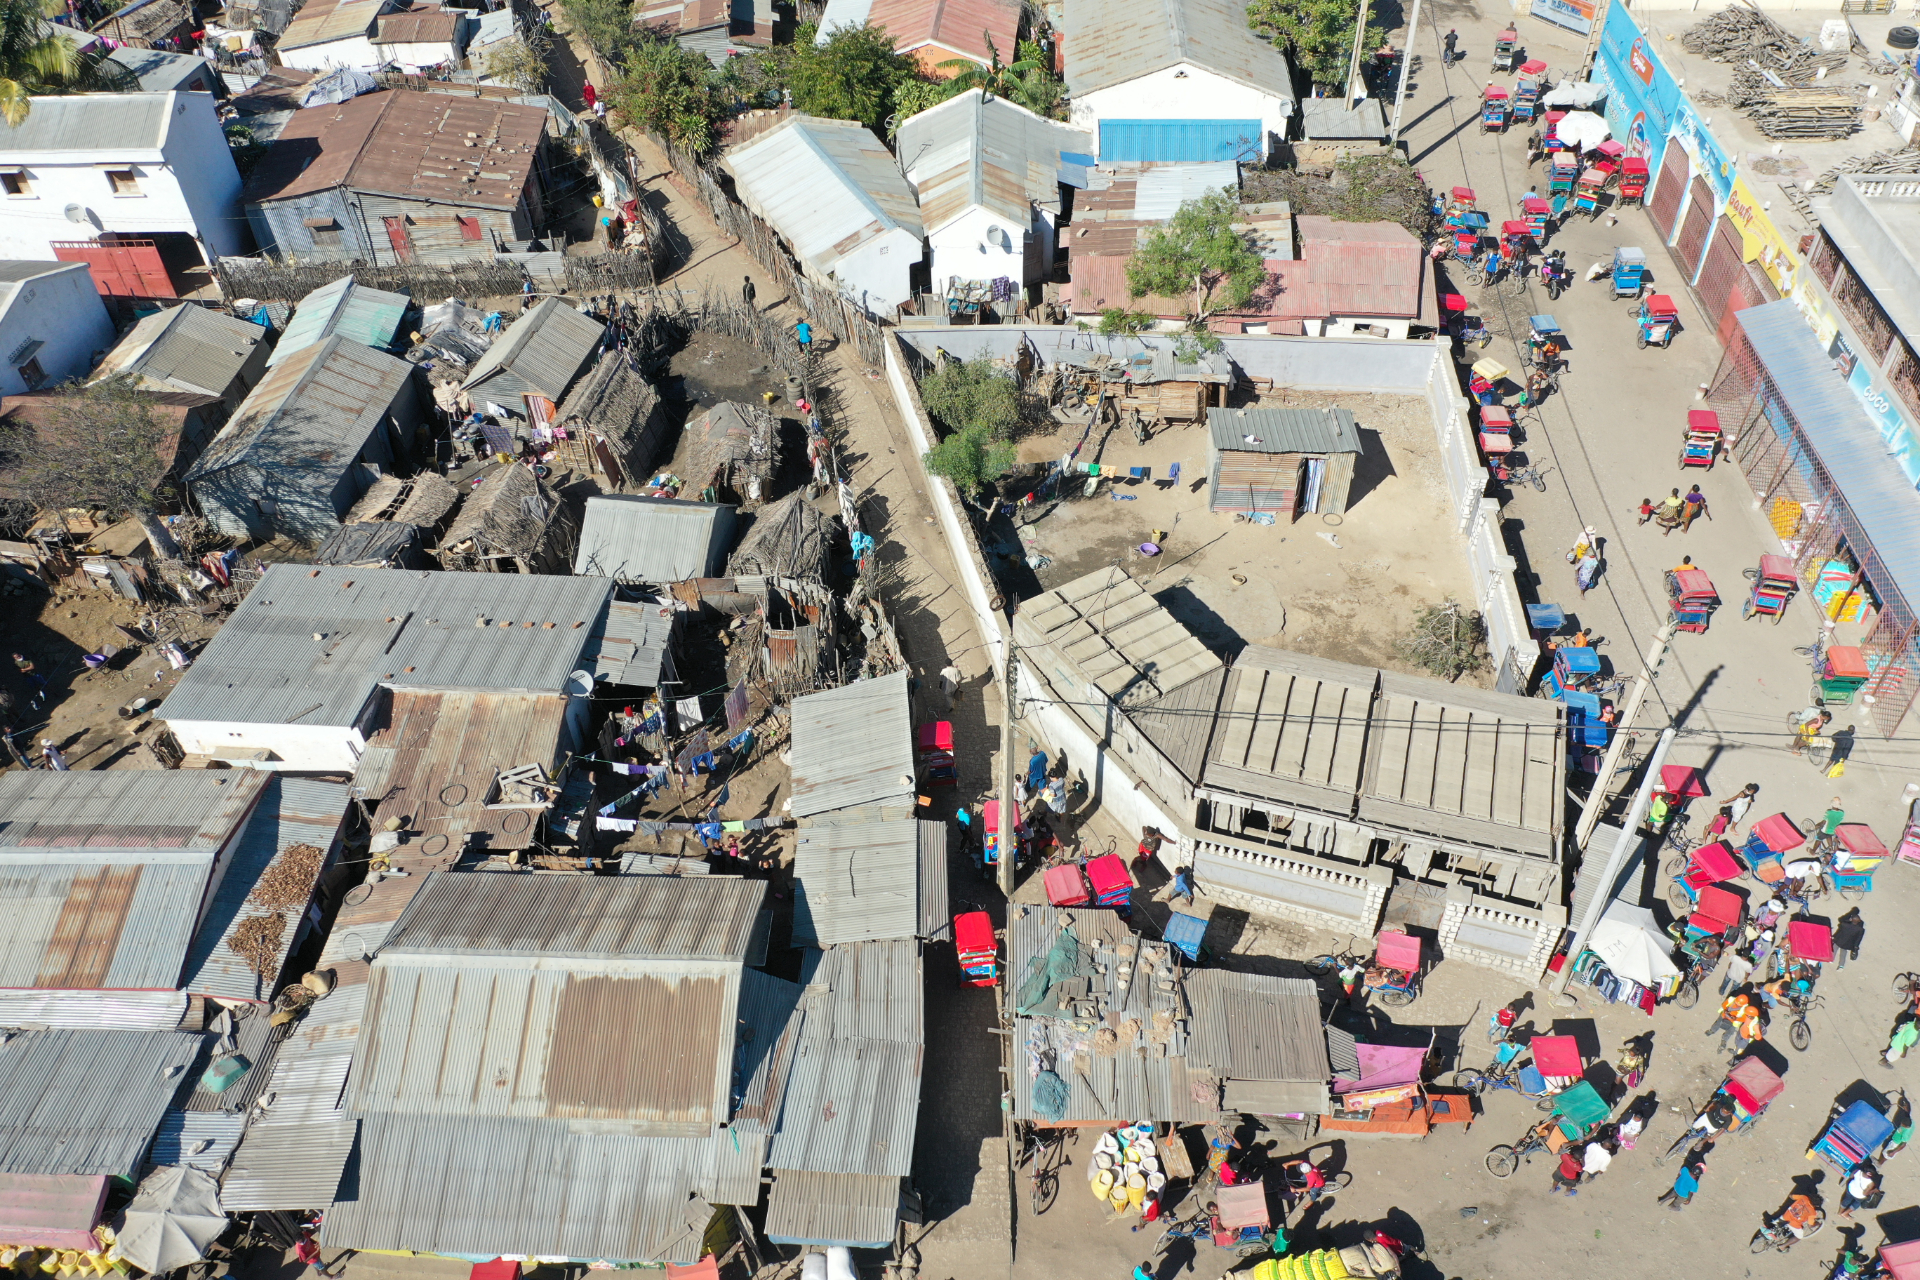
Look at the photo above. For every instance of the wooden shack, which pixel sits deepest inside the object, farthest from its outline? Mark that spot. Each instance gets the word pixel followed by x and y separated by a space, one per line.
pixel 1288 462
pixel 736 450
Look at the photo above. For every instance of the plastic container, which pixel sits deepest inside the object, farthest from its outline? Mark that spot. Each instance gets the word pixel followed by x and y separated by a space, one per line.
pixel 1102 1185
pixel 220 1076
pixel 1155 1181
pixel 813 1267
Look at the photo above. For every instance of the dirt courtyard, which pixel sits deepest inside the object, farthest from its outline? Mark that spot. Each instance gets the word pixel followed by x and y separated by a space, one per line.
pixel 1339 587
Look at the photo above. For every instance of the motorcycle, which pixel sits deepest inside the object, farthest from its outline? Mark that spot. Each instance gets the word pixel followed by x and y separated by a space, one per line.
pixel 1553 273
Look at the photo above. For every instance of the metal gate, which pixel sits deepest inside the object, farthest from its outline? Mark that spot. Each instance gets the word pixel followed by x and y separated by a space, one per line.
pixel 1693 231
pixel 120 268
pixel 1717 280
pixel 1667 192
pixel 1751 288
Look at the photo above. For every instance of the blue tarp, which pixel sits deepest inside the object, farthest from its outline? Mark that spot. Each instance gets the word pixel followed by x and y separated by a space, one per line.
pixel 1175 140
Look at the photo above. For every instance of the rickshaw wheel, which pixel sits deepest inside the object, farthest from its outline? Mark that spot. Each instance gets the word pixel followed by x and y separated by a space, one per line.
pixel 1852 893
pixel 1678 900
pixel 1396 999
pixel 1474 1082
pixel 1675 865
pixel 1688 995
pixel 1501 1162
pixel 1801 1034
pixel 1746 610
pixel 1641 341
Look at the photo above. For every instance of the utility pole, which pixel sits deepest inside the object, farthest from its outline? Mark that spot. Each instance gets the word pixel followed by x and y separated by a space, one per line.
pixel 1603 891
pixel 1406 69
pixel 1009 838
pixel 1353 62
pixel 1597 798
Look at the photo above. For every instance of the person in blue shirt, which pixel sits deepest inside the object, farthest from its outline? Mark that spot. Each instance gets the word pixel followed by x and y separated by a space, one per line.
pixel 804 332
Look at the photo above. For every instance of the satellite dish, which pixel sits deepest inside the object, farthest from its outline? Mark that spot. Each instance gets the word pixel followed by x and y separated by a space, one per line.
pixel 76 213
pixel 998 237
pixel 580 683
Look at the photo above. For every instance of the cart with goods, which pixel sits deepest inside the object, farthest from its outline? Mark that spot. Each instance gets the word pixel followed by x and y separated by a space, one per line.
pixel 933 748
pixel 1111 884
pixel 1526 90
pixel 1657 321
pixel 979 953
pixel 1484 380
pixel 1536 211
pixel 1586 192
pixel 1840 672
pixel 1125 1174
pixel 1774 584
pixel 1857 854
pixel 1563 170
pixel 1186 930
pixel 1633 180
pixel 1368 1260
pixel 1577 1112
pixel 1629 271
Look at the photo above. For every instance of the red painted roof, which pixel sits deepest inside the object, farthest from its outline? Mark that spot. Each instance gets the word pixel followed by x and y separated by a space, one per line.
pixel 952 24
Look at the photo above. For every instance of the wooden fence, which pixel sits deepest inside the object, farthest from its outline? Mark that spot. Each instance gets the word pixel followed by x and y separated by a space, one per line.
pixel 293 280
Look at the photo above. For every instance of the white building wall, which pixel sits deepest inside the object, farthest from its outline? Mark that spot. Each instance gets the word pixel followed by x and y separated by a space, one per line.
pixel 1344 326
pixel 205 175
pixel 423 54
pixel 357 52
pixel 962 248
pixel 63 312
pixel 306 748
pixel 1196 95
pixel 876 274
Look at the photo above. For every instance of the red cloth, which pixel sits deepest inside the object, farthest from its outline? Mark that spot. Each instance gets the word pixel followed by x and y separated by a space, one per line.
pixel 589 94
pixel 1571 1166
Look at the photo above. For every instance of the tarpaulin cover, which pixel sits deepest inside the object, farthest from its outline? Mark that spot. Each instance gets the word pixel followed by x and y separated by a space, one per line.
pixel 506 1269
pixel 338 86
pixel 55 1211
pixel 1582 129
pixel 173 1216
pixel 1865 1124
pixel 1809 941
pixel 1383 1066
pixel 1556 1055
pixel 1574 93
pixel 1779 833
pixel 1682 780
pixel 1397 951
pixel 1858 838
pixel 1582 1104
pixel 1752 1084
pixel 1109 873
pixel 1717 860
pixel 1040 990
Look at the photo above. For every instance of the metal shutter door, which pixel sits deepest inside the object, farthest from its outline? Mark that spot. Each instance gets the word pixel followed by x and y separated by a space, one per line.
pixel 1693 231
pixel 1721 274
pixel 1667 192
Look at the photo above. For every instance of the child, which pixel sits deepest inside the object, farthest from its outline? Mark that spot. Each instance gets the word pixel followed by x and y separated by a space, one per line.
pixel 1721 821
pixel 1646 510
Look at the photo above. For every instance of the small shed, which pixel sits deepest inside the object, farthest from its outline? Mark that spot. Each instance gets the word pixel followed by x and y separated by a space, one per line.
pixel 370 317
pixel 540 354
pixel 792 538
pixel 1288 462
pixel 735 451
pixel 652 540
pixel 192 349
pixel 613 422
pixel 158 71
pixel 509 523
pixel 423 500
pixel 375 545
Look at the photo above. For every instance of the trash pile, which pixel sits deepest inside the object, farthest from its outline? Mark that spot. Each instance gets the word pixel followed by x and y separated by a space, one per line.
pixel 1775 75
pixel 453 335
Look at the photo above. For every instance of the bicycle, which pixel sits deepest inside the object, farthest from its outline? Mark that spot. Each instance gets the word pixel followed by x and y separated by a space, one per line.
pixel 1800 1032
pixel 1293 1180
pixel 1049 1157
pixel 1197 1227
pixel 1908 985
pixel 1533 475
pixel 1338 961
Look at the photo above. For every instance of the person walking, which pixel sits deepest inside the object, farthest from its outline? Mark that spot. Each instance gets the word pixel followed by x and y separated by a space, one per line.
pixel 1735 1011
pixel 1692 507
pixel 1741 802
pixel 1598 1156
pixel 747 291
pixel 1646 510
pixel 1667 514
pixel 1739 969
pixel 1587 571
pixel 1566 1176
pixel 1687 1182
pixel 55 761
pixel 1905 1032
pixel 951 679
pixel 1859 1188
pixel 589 95
pixel 804 332
pixel 1451 42
pixel 1848 934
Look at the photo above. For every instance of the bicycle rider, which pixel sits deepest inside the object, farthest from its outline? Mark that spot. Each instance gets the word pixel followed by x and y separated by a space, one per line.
pixel 1311 1183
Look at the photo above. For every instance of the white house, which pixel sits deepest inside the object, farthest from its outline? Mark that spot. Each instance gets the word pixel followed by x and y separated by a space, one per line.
pixel 831 191
pixel 1160 80
pixel 53 325
pixel 106 167
pixel 327 36
pixel 988 174
pixel 421 38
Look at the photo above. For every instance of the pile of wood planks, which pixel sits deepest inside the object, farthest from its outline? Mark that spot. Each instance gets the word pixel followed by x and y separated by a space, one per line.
pixel 1807 113
pixel 1893 160
pixel 1774 74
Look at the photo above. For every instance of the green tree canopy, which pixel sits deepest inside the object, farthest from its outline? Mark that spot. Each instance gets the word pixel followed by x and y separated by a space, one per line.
pixel 855 75
pixel 1198 255
pixel 1318 34
pixel 971 458
pixel 670 91
pixel 1026 81
pixel 99 445
pixel 972 393
pixel 34 59
pixel 607 25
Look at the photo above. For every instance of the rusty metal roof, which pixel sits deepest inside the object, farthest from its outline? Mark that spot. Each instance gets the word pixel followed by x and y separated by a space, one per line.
pixel 1114 42
pixel 425 26
pixel 962 26
pixel 124 817
pixel 1351 268
pixel 975 151
pixel 464 152
pixel 435 756
pixel 858 1210
pixel 322 23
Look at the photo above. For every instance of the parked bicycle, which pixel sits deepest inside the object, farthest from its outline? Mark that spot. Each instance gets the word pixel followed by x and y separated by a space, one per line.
pixel 1339 961
pixel 1800 1031
pixel 1047 1156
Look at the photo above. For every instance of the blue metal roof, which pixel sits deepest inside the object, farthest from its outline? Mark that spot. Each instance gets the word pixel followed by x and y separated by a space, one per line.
pixel 1122 140
pixel 1836 430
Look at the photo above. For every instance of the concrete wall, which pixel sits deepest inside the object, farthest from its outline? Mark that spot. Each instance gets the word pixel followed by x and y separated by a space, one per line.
pixel 1287 886
pixel 209 182
pixel 961 248
pixel 1184 92
pixel 309 748
pixel 1498 935
pixel 63 312
pixel 876 274
pixel 355 51
pixel 430 53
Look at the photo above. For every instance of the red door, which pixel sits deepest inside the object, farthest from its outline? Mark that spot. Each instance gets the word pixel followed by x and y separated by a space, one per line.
pixel 120 268
pixel 1719 295
pixel 1693 231
pixel 1665 205
pixel 397 236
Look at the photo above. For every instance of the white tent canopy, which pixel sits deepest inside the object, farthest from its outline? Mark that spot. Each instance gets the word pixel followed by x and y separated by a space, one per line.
pixel 173 1216
pixel 1583 129
pixel 1631 944
pixel 1573 93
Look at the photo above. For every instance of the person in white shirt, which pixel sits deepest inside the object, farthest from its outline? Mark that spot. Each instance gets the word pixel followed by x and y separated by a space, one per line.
pixel 1595 1162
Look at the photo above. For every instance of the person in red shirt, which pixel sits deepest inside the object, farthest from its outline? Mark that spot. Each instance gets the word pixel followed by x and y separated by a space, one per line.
pixel 1567 1174
pixel 1311 1182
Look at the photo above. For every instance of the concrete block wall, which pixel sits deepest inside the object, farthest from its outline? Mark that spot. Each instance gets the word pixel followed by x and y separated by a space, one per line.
pixel 1534 931
pixel 1369 886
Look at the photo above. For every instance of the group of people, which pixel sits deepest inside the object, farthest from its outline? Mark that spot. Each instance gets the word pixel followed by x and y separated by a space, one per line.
pixel 1675 511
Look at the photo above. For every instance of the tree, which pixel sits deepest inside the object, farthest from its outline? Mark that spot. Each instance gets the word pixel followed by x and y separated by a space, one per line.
pixel 1383 188
pixel 519 62
pixel 853 76
pixel 1026 81
pixel 971 458
pixel 35 59
pixel 1445 640
pixel 668 90
pixel 100 445
pixel 1115 321
pixel 1318 34
pixel 972 393
pixel 914 96
pixel 607 25
pixel 1199 254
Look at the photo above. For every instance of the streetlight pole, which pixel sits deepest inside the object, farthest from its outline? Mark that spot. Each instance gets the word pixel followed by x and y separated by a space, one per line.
pixel 1009 834
pixel 1406 69
pixel 1597 798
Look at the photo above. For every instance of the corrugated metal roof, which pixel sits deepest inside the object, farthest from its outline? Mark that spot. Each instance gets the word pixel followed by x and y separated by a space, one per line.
pixel 52 1210
pixel 1331 119
pixel 975 151
pixel 852 746
pixel 159 71
pixel 426 26
pixel 184 348
pixel 324 23
pixel 1293 728
pixel 1343 1053
pixel 292 811
pixel 1352 269
pixel 93 1010
pixel 481 1188
pixel 317 145
pixel 289 1166
pixel 873 992
pixel 1180 141
pixel 1161 190
pixel 857 1210
pixel 120 816
pixel 827 186
pixel 86 1101
pixel 936 916
pixel 1466 765
pixel 369 317
pixel 1115 638
pixel 963 26
pixel 634 917
pixel 437 755
pixel 857 881
pixel 763 1046
pixel 1249 1026
pixel 201 1139
pixel 636 863
pixel 635 644
pixel 127 123
pixel 1329 430
pixel 546 348
pixel 1882 503
pixel 1112 42
pixel 632 538
pixel 311 415
pixel 254 1038
pixel 493 631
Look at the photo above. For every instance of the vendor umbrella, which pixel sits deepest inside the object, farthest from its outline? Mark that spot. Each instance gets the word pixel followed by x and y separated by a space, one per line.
pixel 1581 129
pixel 1632 945
pixel 173 1216
pixel 1573 93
